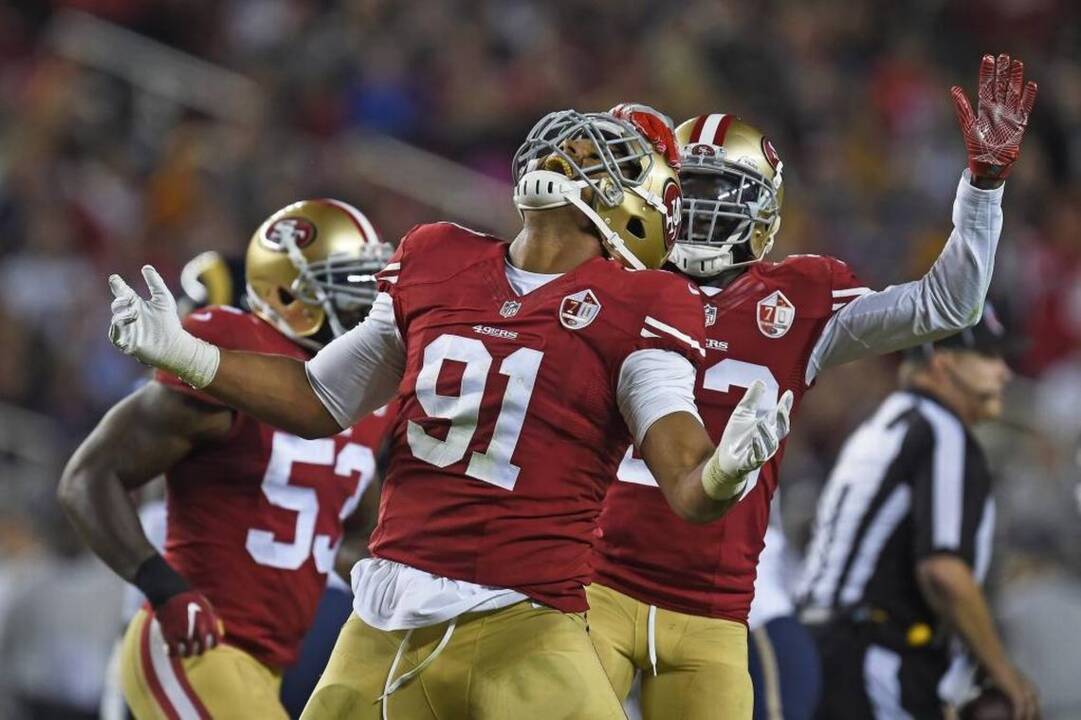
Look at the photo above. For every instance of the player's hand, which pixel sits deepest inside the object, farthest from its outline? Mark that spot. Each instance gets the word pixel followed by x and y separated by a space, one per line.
pixel 1020 691
pixel 189 624
pixel 994 132
pixel 150 331
pixel 750 439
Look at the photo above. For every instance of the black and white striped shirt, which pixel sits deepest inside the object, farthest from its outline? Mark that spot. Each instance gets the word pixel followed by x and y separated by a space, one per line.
pixel 910 482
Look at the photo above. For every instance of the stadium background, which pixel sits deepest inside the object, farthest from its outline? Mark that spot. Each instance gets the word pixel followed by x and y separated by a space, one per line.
pixel 135 132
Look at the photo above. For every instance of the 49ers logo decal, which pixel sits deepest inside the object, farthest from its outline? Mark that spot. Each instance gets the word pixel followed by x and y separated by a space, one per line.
pixel 300 230
pixel 673 203
pixel 770 152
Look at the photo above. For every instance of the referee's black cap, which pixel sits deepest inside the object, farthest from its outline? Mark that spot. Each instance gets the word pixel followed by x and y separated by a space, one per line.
pixel 987 337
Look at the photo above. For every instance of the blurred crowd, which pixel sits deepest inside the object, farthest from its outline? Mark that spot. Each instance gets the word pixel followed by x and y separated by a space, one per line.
pixel 110 163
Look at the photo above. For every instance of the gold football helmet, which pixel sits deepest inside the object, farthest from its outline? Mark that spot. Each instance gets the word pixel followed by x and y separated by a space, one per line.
pixel 625 187
pixel 731 178
pixel 310 269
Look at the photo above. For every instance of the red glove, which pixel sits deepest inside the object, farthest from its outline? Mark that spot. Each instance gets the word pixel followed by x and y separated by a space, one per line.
pixel 993 134
pixel 655 126
pixel 189 624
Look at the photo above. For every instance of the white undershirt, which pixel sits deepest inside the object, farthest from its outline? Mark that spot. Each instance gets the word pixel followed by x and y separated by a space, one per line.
pixel 360 371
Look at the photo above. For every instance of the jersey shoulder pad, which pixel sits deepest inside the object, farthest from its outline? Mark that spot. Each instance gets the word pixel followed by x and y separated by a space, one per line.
pixel 657 309
pixel 435 252
pixel 823 284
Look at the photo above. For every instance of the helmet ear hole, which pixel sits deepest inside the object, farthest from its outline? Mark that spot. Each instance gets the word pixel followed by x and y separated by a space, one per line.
pixel 637 228
pixel 284 296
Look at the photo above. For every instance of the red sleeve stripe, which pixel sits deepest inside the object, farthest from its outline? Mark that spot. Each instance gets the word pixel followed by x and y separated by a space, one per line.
pixel 166 678
pixel 677 334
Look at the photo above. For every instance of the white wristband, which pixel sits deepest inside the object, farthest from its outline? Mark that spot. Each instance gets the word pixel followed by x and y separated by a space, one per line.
pixel 719 485
pixel 197 361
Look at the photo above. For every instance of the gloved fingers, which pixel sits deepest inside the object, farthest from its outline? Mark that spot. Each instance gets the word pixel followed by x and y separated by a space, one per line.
pixel 1028 99
pixel 1002 78
pixel 120 288
pixel 748 405
pixel 784 410
pixel 961 106
pixel 158 289
pixel 121 302
pixel 986 87
pixel 1015 83
pixel 126 316
pixel 120 336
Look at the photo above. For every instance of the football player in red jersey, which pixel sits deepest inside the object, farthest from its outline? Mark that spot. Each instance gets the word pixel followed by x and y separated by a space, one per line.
pixel 255 514
pixel 670 598
pixel 523 371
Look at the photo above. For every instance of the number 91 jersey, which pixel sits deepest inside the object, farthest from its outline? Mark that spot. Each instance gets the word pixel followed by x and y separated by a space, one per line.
pixel 764 326
pixel 255 520
pixel 509 430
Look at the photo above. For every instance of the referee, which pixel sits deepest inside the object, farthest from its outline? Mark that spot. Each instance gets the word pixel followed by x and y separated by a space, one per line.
pixel 902 541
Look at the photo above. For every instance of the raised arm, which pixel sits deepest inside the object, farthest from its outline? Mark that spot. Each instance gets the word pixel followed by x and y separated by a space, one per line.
pixel 950 296
pixel 353 375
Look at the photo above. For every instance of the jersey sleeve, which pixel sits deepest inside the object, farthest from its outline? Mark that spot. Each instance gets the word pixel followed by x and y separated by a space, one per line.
pixel 674 320
pixel 845 285
pixel 359 372
pixel 657 377
pixel 946 300
pixel 218 326
pixel 947 501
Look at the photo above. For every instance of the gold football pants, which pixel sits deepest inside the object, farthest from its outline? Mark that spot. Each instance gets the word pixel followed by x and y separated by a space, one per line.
pixel 224 683
pixel 693 668
pixel 518 663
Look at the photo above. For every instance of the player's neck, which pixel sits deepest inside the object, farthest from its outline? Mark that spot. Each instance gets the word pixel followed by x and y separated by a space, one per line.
pixel 553 241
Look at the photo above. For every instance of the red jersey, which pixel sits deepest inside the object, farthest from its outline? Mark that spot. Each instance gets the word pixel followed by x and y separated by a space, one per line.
pixel 255 520
pixel 763 326
pixel 508 432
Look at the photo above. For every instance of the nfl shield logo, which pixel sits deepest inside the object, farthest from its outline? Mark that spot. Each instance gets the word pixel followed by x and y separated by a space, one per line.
pixel 775 315
pixel 579 310
pixel 711 315
pixel 510 308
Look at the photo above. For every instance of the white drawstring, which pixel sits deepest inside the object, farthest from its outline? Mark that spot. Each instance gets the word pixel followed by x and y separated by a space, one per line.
pixel 392 685
pixel 651 637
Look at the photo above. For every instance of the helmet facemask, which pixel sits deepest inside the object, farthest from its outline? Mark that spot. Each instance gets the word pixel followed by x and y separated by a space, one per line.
pixel 343 286
pixel 620 180
pixel 730 216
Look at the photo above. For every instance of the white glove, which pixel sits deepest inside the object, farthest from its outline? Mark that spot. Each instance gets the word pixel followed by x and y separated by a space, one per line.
pixel 150 331
pixel 750 439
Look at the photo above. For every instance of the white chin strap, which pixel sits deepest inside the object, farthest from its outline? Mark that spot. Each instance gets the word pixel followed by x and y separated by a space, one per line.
pixel 701 261
pixel 546 189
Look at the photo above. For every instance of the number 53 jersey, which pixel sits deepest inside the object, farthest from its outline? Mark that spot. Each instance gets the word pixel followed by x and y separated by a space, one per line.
pixel 255 520
pixel 510 429
pixel 764 326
